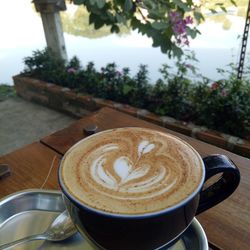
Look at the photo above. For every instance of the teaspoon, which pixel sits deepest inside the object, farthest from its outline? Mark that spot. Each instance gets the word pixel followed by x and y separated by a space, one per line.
pixel 60 229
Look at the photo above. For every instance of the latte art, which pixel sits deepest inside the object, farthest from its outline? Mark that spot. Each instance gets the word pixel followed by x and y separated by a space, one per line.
pixel 131 179
pixel 131 171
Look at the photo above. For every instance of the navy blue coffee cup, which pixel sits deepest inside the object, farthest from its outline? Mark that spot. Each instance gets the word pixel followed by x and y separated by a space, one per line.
pixel 156 229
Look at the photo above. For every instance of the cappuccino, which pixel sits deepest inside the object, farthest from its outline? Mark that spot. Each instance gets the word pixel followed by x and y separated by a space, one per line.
pixel 131 171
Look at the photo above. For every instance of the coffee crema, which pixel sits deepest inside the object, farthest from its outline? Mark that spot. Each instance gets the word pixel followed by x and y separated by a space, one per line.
pixel 131 171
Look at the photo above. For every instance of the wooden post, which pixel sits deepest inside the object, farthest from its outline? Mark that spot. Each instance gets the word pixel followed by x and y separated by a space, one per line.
pixel 52 25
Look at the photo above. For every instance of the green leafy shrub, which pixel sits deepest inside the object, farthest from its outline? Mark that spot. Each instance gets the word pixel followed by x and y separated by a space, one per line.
pixel 6 91
pixel 44 65
pixel 224 105
pixel 183 94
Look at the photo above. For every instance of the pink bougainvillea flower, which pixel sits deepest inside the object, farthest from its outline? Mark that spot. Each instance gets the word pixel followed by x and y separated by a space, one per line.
pixel 179 26
pixel 71 70
pixel 224 93
pixel 174 16
pixel 186 42
pixel 188 20
pixel 214 86
pixel 189 66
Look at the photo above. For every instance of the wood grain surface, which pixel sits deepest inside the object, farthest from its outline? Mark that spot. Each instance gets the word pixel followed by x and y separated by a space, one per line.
pixel 30 167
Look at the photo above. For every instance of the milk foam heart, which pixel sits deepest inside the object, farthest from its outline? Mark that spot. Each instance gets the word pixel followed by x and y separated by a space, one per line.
pixel 131 171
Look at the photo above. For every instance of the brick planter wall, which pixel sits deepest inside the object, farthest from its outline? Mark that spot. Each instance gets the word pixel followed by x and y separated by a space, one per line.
pixel 78 105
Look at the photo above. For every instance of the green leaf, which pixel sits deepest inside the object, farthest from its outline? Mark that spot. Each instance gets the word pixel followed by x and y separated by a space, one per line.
pixel 198 16
pixel 191 32
pixel 156 14
pixel 98 23
pixel 159 25
pixel 115 29
pixel 181 5
pixel 78 2
pixel 96 20
pixel 223 9
pixel 120 19
pixel 91 18
pixel 213 11
pixel 110 16
pixel 128 5
pixel 126 89
pixel 233 2
pixel 92 2
pixel 100 3
pixel 177 51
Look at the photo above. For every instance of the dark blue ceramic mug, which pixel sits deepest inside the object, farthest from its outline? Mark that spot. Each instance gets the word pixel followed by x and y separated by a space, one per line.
pixel 153 230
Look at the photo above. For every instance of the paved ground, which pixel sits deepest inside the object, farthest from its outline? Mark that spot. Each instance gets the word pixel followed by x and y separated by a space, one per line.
pixel 23 122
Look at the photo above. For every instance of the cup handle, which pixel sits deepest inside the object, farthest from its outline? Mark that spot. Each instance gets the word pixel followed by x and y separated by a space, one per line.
pixel 224 187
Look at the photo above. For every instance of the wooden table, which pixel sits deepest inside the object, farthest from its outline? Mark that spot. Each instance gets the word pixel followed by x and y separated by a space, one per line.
pixel 227 225
pixel 29 169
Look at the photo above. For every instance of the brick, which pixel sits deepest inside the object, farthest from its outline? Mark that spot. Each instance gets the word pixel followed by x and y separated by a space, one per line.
pixel 86 102
pixel 175 125
pixel 42 99
pixel 48 85
pixel 117 105
pixel 129 110
pixel 243 149
pixel 167 119
pixel 151 117
pixel 213 138
pixel 35 97
pixel 19 88
pixel 69 95
pixel 82 112
pixel 33 84
pixel 56 100
pixel 70 109
pixel 53 89
pixel 103 103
